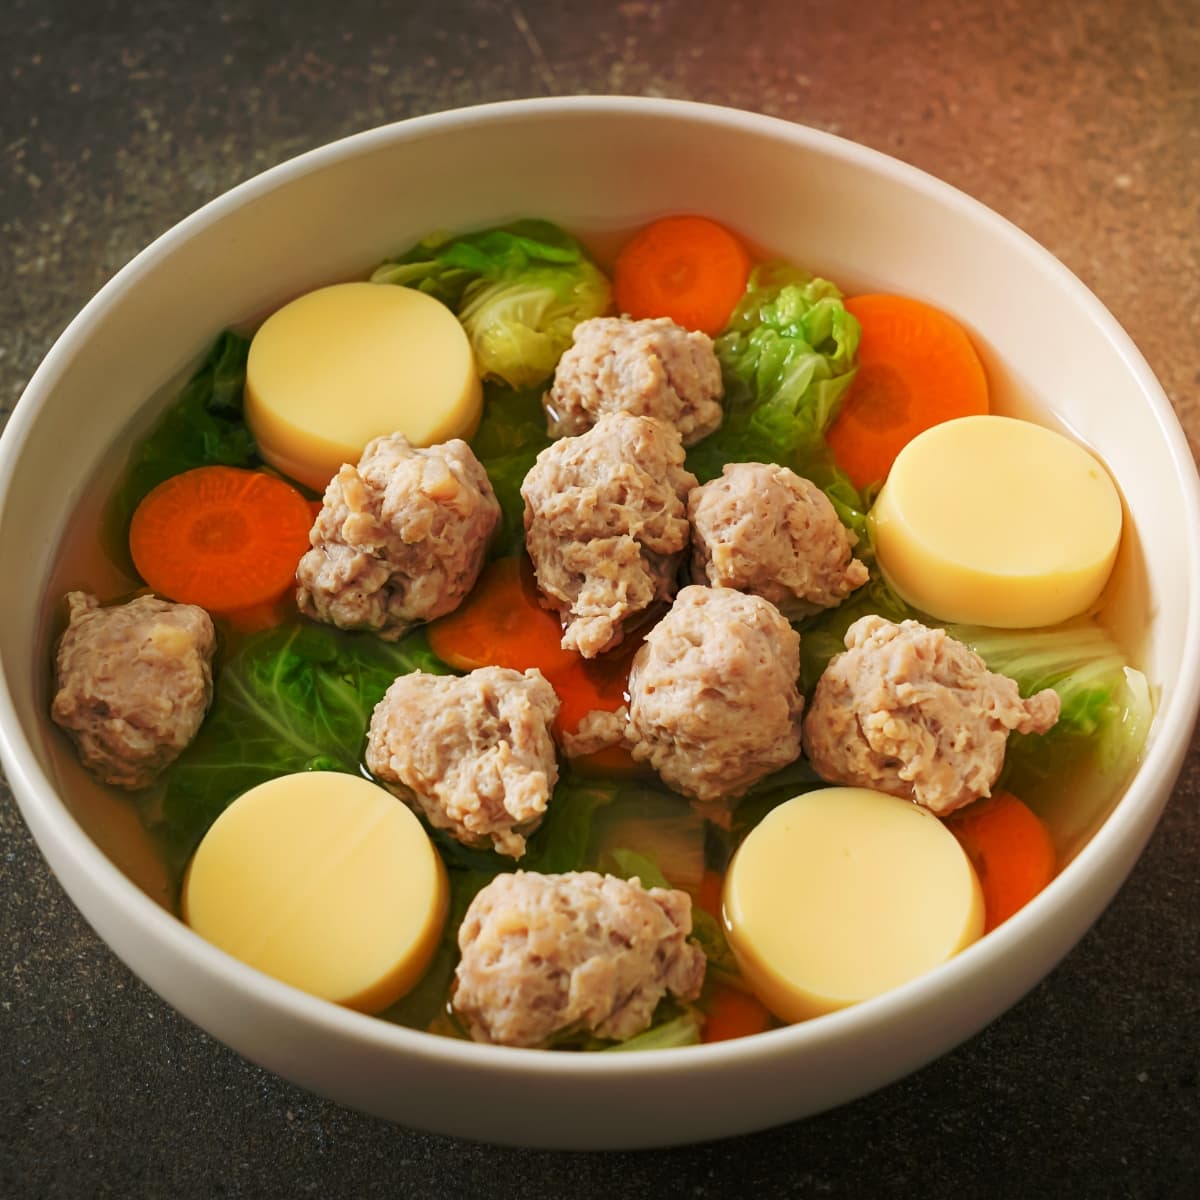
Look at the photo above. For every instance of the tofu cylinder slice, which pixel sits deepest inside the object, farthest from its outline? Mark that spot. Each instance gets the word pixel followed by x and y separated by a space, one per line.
pixel 344 364
pixel 841 894
pixel 325 881
pixel 989 520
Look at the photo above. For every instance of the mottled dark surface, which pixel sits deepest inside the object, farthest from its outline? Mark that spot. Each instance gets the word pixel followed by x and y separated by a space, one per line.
pixel 1079 122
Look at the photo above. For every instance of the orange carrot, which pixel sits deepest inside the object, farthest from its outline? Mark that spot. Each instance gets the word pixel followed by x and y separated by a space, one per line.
pixel 220 537
pixel 733 1014
pixel 501 624
pixel 916 368
pixel 1011 851
pixel 687 268
pixel 598 684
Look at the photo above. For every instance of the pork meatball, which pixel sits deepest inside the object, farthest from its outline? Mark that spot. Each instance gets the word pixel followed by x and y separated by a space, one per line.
pixel 910 711
pixel 400 538
pixel 651 368
pixel 713 701
pixel 473 753
pixel 547 954
pixel 761 528
pixel 134 683
pixel 606 525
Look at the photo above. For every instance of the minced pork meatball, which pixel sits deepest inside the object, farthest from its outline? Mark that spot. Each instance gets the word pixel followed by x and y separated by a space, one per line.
pixel 713 701
pixel 400 538
pixel 910 711
pixel 547 954
pixel 606 525
pixel 134 683
pixel 764 529
pixel 473 753
pixel 651 368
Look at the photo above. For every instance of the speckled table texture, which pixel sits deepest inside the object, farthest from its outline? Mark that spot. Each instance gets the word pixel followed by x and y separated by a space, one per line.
pixel 1080 122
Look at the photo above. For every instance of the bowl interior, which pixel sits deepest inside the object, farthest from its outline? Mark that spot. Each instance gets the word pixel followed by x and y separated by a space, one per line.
pixel 597 167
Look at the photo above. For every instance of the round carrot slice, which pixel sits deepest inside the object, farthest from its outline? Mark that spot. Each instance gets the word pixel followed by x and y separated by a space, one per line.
pixel 734 1013
pixel 220 537
pixel 916 368
pixel 687 268
pixel 1010 849
pixel 501 624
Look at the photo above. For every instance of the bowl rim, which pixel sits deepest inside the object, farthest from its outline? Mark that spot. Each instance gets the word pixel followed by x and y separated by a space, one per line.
pixel 1133 817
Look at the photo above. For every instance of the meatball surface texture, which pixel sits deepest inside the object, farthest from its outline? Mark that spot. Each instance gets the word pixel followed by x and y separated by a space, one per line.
pixel 606 525
pixel 651 368
pixel 764 529
pixel 713 701
pixel 400 538
pixel 549 954
pixel 134 683
pixel 474 753
pixel 910 711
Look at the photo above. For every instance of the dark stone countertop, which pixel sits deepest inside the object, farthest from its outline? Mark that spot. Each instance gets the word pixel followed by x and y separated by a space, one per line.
pixel 1081 123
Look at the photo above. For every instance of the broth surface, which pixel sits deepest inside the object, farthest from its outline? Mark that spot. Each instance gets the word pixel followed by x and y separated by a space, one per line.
pixel 1073 804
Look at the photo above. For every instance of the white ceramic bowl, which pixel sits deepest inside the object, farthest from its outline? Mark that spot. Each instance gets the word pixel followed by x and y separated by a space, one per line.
pixel 593 165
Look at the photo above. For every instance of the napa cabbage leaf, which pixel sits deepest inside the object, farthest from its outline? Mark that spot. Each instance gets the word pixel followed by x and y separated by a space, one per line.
pixel 297 697
pixel 787 358
pixel 665 1032
pixel 519 291
pixel 511 434
pixel 204 426
pixel 1106 705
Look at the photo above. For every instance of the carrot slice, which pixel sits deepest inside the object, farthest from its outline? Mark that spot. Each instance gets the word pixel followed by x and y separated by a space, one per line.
pixel 733 1014
pixel 591 686
pixel 916 368
pixel 501 624
pixel 1011 851
pixel 687 268
pixel 220 537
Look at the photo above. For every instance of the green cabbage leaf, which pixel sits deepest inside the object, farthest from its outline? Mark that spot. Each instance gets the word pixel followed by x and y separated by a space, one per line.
pixel 792 339
pixel 204 426
pixel 511 434
pixel 519 291
pixel 824 634
pixel 787 358
pixel 665 1032
pixel 297 697
pixel 1106 705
